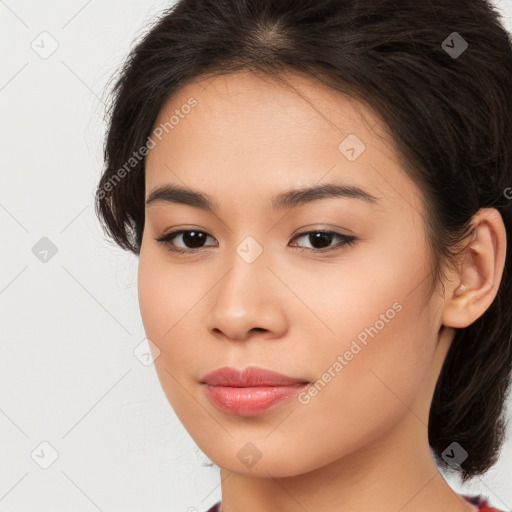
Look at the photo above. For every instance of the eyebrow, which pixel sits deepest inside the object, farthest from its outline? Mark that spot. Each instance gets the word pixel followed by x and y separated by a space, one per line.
pixel 289 199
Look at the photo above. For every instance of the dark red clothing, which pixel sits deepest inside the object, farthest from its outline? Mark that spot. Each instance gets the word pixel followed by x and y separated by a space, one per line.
pixel 476 500
pixel 483 505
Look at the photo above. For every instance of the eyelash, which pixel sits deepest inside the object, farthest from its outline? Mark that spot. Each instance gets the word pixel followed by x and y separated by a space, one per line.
pixel 348 240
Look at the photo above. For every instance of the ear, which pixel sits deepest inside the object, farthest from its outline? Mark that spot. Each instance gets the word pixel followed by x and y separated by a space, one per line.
pixel 481 270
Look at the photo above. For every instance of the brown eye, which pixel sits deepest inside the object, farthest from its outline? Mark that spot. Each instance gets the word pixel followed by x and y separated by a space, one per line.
pixel 192 240
pixel 321 240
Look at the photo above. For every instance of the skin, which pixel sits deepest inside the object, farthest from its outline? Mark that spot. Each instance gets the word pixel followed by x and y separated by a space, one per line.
pixel 361 443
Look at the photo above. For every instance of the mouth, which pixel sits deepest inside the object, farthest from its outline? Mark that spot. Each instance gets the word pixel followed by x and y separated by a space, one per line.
pixel 249 391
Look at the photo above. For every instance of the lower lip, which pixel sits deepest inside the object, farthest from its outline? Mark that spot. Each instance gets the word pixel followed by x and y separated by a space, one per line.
pixel 251 400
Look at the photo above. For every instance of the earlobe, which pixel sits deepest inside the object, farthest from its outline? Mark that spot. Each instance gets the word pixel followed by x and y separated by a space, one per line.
pixel 471 293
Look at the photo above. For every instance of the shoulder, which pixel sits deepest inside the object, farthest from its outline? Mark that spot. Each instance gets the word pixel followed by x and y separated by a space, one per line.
pixel 484 507
pixel 214 508
pixel 482 503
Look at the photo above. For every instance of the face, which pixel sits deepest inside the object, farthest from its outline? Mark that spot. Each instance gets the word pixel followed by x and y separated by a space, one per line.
pixel 331 290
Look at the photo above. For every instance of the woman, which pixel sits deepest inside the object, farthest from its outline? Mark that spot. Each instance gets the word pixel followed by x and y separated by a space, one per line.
pixel 319 194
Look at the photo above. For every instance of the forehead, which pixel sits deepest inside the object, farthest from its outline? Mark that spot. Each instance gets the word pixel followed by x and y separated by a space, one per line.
pixel 250 129
pixel 263 107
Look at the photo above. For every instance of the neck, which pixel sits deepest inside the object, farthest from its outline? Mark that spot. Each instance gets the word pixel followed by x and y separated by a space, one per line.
pixel 379 477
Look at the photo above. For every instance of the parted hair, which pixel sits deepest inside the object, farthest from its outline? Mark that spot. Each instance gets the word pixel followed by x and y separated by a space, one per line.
pixel 438 74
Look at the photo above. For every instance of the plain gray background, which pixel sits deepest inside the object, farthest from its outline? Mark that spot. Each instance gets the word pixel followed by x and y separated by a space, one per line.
pixel 76 395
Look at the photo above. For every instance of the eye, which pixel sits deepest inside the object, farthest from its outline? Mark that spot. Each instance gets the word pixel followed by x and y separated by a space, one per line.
pixel 194 240
pixel 323 238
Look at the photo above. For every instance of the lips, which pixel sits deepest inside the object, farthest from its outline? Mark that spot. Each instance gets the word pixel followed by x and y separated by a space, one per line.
pixel 251 376
pixel 250 391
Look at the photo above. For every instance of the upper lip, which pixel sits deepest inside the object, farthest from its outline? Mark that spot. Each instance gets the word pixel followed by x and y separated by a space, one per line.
pixel 248 377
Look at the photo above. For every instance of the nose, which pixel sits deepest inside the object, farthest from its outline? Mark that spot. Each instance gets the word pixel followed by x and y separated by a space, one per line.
pixel 249 298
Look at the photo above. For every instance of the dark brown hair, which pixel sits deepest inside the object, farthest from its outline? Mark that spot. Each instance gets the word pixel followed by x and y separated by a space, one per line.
pixel 448 110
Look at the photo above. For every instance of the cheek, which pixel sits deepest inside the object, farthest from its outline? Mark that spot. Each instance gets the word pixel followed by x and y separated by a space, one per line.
pixel 382 359
pixel 167 298
pixel 164 292
pixel 385 338
pixel 375 385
